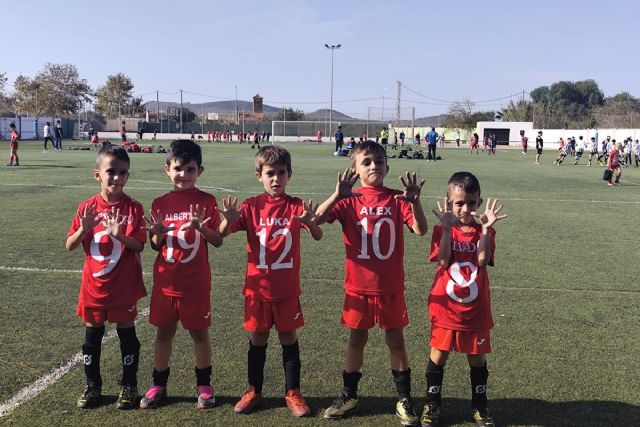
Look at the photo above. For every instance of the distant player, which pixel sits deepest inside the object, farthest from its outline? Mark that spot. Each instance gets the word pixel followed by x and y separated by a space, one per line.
pixel 372 219
pixel 13 146
pixel 613 164
pixel 272 222
pixel 539 145
pixel 460 300
pixel 256 140
pixel 593 150
pixel 58 135
pixel 524 142
pixel 183 223
pixel 110 228
pixel 123 131
pixel 47 136
pixel 579 150
pixel 565 149
pixel 473 144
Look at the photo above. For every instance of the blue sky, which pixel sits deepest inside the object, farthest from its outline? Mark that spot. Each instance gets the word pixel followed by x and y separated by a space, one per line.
pixel 447 50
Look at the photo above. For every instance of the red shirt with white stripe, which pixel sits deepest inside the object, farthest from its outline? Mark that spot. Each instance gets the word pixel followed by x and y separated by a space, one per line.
pixel 112 274
pixel 374 240
pixel 460 298
pixel 273 246
pixel 182 267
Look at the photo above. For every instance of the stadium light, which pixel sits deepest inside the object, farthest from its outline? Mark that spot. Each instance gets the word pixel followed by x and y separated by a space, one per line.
pixel 332 48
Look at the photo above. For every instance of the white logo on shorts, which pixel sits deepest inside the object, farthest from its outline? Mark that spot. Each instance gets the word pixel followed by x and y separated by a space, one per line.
pixel 480 342
pixel 128 360
pixel 297 316
pixel 480 389
pixel 133 307
pixel 88 359
pixel 434 389
pixel 208 315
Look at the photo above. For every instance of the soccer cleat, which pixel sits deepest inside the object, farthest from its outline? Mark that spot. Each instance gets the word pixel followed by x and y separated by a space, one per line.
pixel 91 397
pixel 206 397
pixel 154 397
pixel 482 418
pixel 296 403
pixel 430 415
pixel 128 397
pixel 342 406
pixel 249 401
pixel 406 413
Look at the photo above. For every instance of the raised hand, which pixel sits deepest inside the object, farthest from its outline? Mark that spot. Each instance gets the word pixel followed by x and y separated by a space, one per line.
pixel 156 225
pixel 88 217
pixel 112 222
pixel 411 188
pixel 198 218
pixel 308 213
pixel 230 209
pixel 490 215
pixel 346 181
pixel 445 214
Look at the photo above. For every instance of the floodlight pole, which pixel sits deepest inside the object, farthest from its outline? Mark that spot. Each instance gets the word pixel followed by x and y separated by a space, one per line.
pixel 332 48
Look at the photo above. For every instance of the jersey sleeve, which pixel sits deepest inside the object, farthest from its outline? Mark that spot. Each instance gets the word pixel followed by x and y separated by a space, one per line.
pixel 212 212
pixel 75 222
pixel 435 243
pixel 337 212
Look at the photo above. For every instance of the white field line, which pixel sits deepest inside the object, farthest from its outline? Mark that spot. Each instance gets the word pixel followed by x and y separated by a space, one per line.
pixel 229 190
pixel 44 270
pixel 44 382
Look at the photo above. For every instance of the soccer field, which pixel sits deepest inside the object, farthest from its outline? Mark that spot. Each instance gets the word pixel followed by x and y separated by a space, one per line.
pixel 564 290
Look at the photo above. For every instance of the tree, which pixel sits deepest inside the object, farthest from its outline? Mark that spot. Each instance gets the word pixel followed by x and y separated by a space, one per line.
pixel 521 111
pixel 5 100
pixel 57 89
pixel 290 115
pixel 188 116
pixel 459 116
pixel 116 97
pixel 621 110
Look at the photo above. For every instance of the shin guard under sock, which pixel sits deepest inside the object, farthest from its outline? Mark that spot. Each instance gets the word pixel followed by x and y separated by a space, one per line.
pixel 256 357
pixel 434 374
pixel 91 350
pixel 350 381
pixel 403 383
pixel 479 377
pixel 203 376
pixel 130 351
pixel 291 365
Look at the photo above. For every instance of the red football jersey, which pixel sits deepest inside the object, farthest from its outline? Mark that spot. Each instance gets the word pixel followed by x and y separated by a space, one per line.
pixel 460 298
pixel 112 274
pixel 273 246
pixel 182 266
pixel 374 240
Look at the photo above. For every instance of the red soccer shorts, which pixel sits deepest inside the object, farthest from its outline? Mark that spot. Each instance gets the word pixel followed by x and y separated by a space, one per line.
pixel 98 316
pixel 285 315
pixel 13 146
pixel 193 312
pixel 365 311
pixel 468 342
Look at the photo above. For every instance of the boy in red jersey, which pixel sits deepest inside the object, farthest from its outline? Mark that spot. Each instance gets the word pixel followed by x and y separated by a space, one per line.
pixel 13 146
pixel 372 219
pixel 272 222
pixel 182 222
pixel 460 301
pixel 110 228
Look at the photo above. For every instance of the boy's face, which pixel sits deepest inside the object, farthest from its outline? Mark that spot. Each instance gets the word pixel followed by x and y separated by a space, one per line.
pixel 112 173
pixel 183 175
pixel 463 204
pixel 371 168
pixel 274 179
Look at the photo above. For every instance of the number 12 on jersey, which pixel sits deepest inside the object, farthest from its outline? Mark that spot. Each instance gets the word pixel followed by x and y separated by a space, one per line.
pixel 280 264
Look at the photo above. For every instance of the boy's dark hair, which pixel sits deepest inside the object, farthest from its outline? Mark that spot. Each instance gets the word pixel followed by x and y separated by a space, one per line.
pixel 465 180
pixel 113 151
pixel 367 146
pixel 12 125
pixel 183 151
pixel 273 155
